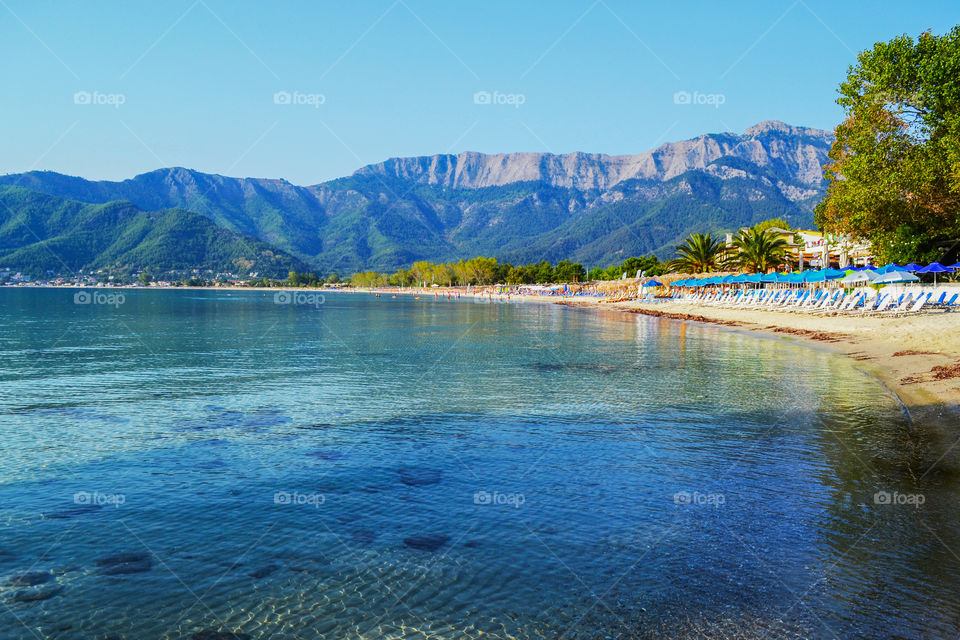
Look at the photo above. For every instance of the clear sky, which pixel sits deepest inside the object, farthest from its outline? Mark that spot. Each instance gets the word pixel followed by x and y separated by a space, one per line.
pixel 312 90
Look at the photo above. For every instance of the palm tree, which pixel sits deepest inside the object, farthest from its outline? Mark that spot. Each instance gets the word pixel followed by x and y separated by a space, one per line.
pixel 700 253
pixel 760 250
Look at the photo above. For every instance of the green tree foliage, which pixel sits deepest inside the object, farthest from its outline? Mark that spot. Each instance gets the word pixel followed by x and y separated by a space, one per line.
pixel 368 279
pixel 773 223
pixel 145 278
pixel 894 171
pixel 758 251
pixel 295 279
pixel 476 271
pixel 700 253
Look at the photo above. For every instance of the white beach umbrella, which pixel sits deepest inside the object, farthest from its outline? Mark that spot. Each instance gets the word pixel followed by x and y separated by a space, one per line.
pixel 861 277
pixel 896 277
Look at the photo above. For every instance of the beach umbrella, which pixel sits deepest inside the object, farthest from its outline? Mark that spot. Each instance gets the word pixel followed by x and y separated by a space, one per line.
pixel 954 266
pixel 861 277
pixel 653 283
pixel 813 276
pixel 770 277
pixel 726 279
pixel 895 277
pixel 913 266
pixel 934 268
pixel 832 274
pixel 890 268
pixel 753 278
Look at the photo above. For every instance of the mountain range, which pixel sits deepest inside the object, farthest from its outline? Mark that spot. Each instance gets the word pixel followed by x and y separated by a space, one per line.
pixel 519 207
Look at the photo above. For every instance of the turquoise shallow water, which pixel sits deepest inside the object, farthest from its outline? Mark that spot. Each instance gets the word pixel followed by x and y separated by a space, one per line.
pixel 196 464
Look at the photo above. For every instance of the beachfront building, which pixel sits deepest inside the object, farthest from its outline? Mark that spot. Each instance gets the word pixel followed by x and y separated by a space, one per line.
pixel 808 248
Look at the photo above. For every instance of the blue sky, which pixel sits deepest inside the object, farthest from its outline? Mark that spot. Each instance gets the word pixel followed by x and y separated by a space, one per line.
pixel 310 91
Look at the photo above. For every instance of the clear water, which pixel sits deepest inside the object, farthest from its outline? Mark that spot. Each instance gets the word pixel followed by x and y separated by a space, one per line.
pixel 199 464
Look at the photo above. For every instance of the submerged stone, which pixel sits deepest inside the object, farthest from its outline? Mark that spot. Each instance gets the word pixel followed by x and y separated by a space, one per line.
pixel 363 536
pixel 426 542
pixel 37 595
pixel 327 454
pixel 125 563
pixel 265 571
pixel 31 578
pixel 419 477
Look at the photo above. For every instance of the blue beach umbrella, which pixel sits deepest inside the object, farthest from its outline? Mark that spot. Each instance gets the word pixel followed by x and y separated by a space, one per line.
pixel 740 279
pixel 913 266
pixel 832 274
pixel 653 283
pixel 770 277
pixel 934 268
pixel 726 279
pixel 753 278
pixel 890 268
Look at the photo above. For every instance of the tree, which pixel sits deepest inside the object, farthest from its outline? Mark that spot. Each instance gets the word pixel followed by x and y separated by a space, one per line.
pixel 894 171
pixel 567 271
pixel 145 278
pixel 649 265
pixel 520 275
pixel 543 272
pixel 773 223
pixel 368 279
pixel 700 253
pixel 420 271
pixel 759 250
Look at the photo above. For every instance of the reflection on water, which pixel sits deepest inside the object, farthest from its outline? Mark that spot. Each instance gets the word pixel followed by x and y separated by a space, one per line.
pixel 214 465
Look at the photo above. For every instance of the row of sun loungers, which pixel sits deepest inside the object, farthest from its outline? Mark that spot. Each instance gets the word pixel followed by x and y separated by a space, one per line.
pixel 826 302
